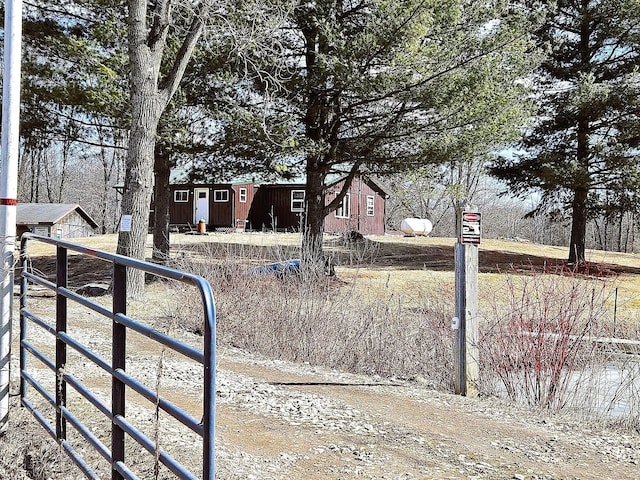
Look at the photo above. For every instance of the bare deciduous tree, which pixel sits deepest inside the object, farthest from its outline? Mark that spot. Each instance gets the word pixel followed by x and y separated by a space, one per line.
pixel 151 91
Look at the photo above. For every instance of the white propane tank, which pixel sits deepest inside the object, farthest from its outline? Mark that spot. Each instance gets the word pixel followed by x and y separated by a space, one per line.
pixel 416 226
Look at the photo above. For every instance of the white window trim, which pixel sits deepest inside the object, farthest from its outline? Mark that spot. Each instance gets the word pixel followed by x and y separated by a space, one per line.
pixel 298 200
pixel 345 201
pixel 175 196
pixel 242 195
pixel 371 212
pixel 225 196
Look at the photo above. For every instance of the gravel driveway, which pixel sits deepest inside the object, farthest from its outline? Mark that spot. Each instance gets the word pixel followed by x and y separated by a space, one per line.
pixel 281 420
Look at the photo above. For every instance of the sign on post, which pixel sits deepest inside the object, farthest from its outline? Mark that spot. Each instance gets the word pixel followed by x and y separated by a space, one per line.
pixel 470 231
pixel 465 322
pixel 125 223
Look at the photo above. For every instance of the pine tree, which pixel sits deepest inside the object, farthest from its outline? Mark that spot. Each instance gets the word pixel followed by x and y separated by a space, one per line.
pixel 381 86
pixel 582 141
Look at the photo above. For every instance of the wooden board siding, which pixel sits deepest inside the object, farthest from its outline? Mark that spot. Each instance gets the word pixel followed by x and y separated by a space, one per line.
pixel 358 219
pixel 268 207
pixel 271 209
pixel 181 213
pixel 241 213
pixel 221 213
pixel 71 226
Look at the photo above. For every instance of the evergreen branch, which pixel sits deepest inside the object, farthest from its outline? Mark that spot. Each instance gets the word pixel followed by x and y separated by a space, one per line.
pixel 60 12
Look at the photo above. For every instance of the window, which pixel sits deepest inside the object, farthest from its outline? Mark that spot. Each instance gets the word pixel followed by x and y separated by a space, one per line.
pixel 242 196
pixel 344 210
pixel 181 196
pixel 371 201
pixel 221 195
pixel 297 200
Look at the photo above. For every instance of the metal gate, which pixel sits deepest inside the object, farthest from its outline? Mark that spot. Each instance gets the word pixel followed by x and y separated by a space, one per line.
pixel 121 381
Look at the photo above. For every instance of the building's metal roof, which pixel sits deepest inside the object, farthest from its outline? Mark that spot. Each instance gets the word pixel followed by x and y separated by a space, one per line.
pixel 179 175
pixel 379 184
pixel 48 213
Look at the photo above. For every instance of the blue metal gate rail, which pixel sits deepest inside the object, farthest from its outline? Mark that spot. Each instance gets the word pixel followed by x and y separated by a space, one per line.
pixel 120 380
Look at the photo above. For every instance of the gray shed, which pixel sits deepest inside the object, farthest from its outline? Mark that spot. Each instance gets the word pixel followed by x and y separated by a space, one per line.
pixel 58 220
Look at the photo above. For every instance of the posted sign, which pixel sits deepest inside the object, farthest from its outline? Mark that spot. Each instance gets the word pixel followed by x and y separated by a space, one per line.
pixel 125 223
pixel 470 232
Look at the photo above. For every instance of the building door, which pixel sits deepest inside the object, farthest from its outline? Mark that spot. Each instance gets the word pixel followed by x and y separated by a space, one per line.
pixel 201 205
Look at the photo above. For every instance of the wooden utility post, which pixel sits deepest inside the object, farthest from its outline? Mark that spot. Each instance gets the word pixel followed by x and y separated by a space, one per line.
pixel 466 320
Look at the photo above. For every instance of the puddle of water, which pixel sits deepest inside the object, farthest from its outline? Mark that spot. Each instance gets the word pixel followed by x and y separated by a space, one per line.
pixel 612 391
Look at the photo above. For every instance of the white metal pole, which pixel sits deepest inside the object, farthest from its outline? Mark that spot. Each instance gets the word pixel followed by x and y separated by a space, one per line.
pixel 9 187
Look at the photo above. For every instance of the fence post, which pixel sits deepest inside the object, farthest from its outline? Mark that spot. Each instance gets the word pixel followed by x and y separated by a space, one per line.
pixel 61 347
pixel 209 411
pixel 23 321
pixel 119 342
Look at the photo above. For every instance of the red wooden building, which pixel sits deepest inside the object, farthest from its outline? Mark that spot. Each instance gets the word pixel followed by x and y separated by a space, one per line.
pixel 219 205
pixel 276 206
pixel 362 209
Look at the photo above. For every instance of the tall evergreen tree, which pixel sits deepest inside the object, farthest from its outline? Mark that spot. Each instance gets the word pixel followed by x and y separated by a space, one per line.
pixel 73 96
pixel 582 142
pixel 380 86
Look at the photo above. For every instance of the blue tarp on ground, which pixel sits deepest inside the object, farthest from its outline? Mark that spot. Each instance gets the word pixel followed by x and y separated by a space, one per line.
pixel 278 268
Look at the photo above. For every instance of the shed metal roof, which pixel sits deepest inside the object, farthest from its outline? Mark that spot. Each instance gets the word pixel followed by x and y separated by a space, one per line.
pixel 48 213
pixel 179 175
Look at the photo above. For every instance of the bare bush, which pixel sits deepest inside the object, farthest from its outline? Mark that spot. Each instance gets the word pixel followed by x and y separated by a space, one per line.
pixel 543 335
pixel 320 320
pixel 547 343
pixel 324 325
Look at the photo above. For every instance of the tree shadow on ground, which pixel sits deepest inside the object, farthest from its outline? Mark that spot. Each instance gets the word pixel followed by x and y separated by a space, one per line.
pixel 441 258
pixel 370 254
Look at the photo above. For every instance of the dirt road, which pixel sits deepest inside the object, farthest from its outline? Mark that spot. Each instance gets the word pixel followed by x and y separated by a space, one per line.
pixel 278 420
pixel 284 421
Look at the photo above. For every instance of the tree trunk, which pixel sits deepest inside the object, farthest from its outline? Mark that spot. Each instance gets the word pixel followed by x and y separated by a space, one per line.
pixel 578 227
pixel 162 199
pixel 149 98
pixel 312 252
pixel 620 220
pixel 582 181
pixel 598 234
pixel 138 182
pixel 632 230
pixel 146 108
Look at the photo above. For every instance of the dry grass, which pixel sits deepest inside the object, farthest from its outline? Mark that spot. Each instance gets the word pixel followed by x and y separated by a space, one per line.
pixel 28 454
pixel 395 266
pixel 389 312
